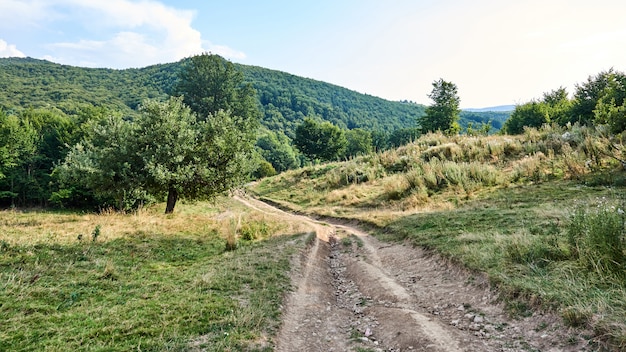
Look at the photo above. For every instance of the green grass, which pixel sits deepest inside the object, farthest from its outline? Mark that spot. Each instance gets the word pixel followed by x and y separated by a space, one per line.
pixel 144 290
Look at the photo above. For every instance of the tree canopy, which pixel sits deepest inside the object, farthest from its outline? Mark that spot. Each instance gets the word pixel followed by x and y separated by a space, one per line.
pixel 443 114
pixel 320 140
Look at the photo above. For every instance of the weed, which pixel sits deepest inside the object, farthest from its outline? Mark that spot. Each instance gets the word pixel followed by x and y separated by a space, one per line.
pixel 95 233
pixel 573 316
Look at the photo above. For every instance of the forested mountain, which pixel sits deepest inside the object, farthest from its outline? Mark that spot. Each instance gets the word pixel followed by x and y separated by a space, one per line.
pixel 285 99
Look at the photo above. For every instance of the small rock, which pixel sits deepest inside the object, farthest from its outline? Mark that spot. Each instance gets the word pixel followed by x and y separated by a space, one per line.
pixel 478 319
pixel 365 339
pixel 455 322
pixel 469 316
pixel 544 336
pixel 474 327
pixel 460 308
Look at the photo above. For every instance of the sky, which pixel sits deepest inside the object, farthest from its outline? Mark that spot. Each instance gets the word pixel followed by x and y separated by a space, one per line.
pixel 497 52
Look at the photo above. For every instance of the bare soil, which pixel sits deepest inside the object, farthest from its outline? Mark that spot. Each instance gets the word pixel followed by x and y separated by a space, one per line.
pixel 355 293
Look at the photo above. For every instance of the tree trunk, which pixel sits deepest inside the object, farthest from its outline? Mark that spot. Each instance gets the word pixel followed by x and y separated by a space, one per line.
pixel 172 197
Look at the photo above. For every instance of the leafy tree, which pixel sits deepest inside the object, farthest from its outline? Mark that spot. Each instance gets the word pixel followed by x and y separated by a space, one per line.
pixel 559 105
pixel 192 159
pixel 359 142
pixel 532 114
pixel 320 140
pixel 18 145
pixel 609 111
pixel 166 151
pixel 208 84
pixel 105 162
pixel 443 115
pixel 588 94
pixel 275 148
pixel 38 139
pixel 403 136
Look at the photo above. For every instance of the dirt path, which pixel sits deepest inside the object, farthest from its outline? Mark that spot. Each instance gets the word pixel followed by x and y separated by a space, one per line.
pixel 355 293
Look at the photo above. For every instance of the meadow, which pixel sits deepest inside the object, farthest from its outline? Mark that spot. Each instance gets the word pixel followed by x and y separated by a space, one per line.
pixel 541 214
pixel 212 276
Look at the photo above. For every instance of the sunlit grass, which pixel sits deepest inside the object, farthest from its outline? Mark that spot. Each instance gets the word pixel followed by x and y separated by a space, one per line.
pixel 149 281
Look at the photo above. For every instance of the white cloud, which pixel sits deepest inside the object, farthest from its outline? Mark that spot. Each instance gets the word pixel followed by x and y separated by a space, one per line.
pixel 116 33
pixel 19 12
pixel 9 50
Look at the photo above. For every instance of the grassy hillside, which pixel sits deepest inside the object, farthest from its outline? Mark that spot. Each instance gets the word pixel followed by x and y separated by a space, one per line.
pixel 144 281
pixel 284 98
pixel 542 214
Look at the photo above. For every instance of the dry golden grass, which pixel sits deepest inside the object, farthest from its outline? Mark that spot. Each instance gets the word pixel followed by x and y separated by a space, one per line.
pixel 38 226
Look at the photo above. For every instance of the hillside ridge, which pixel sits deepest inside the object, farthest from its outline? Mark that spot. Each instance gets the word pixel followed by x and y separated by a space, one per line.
pixel 284 99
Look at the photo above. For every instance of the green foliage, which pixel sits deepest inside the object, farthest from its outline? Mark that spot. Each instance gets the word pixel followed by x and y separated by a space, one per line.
pixel 493 120
pixel 443 115
pixel 208 84
pixel 359 142
pixel 264 169
pixel 105 162
pixel 275 148
pixel 30 143
pixel 532 114
pixel 286 100
pixel 559 106
pixel 320 140
pixel 588 94
pixel 164 151
pixel 402 137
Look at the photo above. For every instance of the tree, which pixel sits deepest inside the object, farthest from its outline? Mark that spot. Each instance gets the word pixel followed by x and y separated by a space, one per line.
pixel 275 148
pixel 559 105
pixel 209 83
pixel 443 115
pixel 403 136
pixel 193 159
pixel 588 94
pixel 359 142
pixel 105 162
pixel 165 152
pixel 532 114
pixel 320 140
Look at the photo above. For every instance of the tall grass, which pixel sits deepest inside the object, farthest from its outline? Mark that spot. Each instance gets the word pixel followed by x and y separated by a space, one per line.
pixel 597 240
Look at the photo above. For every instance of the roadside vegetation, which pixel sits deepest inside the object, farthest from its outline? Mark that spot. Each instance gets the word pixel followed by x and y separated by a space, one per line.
pixel 211 277
pixel 540 213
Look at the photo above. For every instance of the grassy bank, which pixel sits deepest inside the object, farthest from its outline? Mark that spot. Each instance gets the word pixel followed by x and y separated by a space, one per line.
pixel 541 214
pixel 143 281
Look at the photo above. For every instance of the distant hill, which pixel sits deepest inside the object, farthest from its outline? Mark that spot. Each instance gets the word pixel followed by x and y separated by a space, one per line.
pixel 499 108
pixel 284 99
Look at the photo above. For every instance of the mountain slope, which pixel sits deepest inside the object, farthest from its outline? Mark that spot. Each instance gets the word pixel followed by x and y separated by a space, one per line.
pixel 284 98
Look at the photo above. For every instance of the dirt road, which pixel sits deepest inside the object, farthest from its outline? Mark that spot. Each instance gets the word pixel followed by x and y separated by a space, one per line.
pixel 355 293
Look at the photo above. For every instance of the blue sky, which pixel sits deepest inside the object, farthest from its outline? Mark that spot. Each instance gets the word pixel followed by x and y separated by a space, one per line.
pixel 496 51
